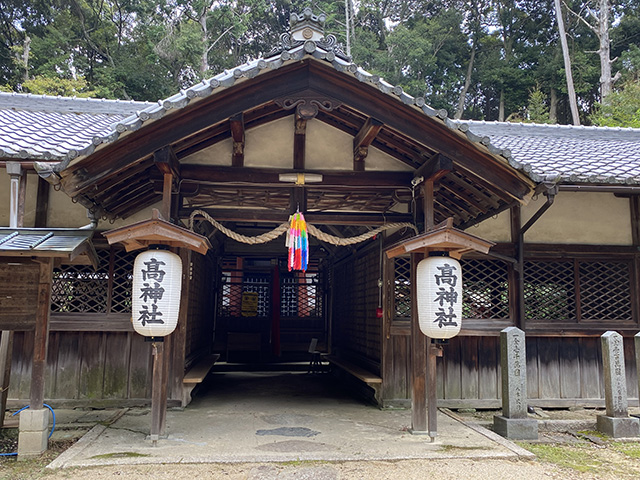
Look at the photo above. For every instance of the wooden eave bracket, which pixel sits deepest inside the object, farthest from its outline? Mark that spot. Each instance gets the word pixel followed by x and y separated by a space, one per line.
pixel 443 238
pixel 167 162
pixel 157 231
pixel 433 169
pixel 236 127
pixel 363 139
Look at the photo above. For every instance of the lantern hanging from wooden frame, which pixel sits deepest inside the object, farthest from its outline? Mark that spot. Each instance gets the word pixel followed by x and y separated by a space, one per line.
pixel 157 286
pixel 439 296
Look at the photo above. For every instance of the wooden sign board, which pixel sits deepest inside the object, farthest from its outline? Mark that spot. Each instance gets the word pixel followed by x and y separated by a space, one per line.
pixel 18 295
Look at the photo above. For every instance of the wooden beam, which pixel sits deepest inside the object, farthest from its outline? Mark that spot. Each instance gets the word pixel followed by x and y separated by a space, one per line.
pixel 434 168
pixel 42 203
pixel 298 200
pixel 634 201
pixel 270 176
pixel 41 335
pixel 299 142
pixel 363 140
pixel 236 125
pixel 316 218
pixel 167 162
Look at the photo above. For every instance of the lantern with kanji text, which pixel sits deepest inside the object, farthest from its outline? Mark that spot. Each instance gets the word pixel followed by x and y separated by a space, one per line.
pixel 157 284
pixel 439 296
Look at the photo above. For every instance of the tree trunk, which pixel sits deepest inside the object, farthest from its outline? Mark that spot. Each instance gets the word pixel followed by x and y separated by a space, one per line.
pixel 467 82
pixel 553 106
pixel 501 107
pixel 204 62
pixel 25 57
pixel 571 92
pixel 606 81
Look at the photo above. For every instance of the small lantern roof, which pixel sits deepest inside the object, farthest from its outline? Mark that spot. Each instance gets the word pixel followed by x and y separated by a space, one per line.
pixel 443 238
pixel 65 245
pixel 157 231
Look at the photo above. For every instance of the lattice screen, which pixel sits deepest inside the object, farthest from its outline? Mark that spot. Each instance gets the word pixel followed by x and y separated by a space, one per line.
pixel 402 288
pixel 80 289
pixel 605 290
pixel 549 290
pixel 301 296
pixel 485 289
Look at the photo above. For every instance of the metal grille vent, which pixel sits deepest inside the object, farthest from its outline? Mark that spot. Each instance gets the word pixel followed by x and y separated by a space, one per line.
pixel 485 290
pixel 549 291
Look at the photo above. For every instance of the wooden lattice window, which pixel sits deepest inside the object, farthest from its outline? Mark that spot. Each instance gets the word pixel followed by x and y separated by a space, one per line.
pixel 485 289
pixel 81 289
pixel 402 288
pixel 605 290
pixel 578 290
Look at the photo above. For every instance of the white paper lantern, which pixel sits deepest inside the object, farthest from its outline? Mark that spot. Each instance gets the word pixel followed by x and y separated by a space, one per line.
pixel 439 296
pixel 157 285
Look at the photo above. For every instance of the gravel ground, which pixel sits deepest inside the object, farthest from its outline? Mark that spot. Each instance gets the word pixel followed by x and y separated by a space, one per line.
pixel 404 470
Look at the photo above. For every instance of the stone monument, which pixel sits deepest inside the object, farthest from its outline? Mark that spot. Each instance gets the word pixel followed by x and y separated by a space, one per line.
pixel 514 422
pixel 616 423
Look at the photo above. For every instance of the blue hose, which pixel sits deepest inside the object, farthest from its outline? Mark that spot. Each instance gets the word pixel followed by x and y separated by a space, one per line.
pixel 53 426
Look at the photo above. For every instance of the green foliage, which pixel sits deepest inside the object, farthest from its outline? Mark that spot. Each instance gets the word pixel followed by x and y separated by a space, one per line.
pixel 42 85
pixel 622 108
pixel 537 109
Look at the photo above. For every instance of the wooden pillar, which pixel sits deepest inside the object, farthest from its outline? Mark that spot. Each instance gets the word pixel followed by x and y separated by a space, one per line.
pixel 518 278
pixel 166 196
pixel 158 393
pixel 418 360
pixel 178 337
pixel 6 350
pixel 41 335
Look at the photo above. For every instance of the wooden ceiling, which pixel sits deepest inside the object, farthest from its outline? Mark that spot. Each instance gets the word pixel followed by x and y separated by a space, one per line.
pixel 121 178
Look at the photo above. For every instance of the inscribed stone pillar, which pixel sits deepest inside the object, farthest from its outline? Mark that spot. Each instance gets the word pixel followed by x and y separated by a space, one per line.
pixel 616 422
pixel 514 422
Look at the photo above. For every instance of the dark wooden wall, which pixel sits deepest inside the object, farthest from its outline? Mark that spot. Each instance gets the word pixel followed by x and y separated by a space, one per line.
pixel 356 329
pixel 199 330
pixel 561 372
pixel 85 367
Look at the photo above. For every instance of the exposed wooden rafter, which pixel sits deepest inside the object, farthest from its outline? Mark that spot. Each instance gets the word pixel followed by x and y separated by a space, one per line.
pixel 236 125
pixel 363 140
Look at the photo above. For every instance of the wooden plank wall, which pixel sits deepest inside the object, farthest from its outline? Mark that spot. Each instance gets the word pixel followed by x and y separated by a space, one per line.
pixel 561 372
pixel 356 329
pixel 199 334
pixel 85 367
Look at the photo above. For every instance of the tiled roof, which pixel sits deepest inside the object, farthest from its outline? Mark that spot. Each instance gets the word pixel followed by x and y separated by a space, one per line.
pixel 42 127
pixel 576 154
pixel 586 154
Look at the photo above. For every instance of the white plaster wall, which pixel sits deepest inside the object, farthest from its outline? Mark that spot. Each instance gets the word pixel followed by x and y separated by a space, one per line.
pixel 218 154
pixel 64 213
pixel 270 145
pixel 575 217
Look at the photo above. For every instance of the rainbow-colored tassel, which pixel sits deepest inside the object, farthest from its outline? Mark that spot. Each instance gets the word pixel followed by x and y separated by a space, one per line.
pixel 298 243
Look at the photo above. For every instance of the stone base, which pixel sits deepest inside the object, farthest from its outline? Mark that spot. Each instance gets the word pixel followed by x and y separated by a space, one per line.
pixel 617 427
pixel 516 428
pixel 33 437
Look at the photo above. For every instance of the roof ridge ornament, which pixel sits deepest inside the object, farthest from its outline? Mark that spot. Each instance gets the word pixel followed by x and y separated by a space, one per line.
pixel 307 30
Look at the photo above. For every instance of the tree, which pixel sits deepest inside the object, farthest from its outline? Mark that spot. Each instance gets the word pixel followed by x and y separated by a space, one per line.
pixel 571 91
pixel 622 108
